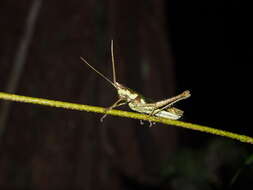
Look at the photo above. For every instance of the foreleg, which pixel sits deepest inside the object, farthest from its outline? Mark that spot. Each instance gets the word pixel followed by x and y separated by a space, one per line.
pixel 116 104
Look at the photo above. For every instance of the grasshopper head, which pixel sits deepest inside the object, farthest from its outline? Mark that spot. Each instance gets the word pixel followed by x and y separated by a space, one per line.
pixel 125 93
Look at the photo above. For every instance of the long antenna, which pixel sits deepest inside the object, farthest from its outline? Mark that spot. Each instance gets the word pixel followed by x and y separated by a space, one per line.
pixel 98 72
pixel 113 64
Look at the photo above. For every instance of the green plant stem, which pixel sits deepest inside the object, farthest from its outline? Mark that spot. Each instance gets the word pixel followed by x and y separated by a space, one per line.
pixel 79 107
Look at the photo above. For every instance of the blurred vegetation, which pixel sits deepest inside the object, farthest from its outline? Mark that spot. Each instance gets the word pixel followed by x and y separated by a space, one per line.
pixel 219 165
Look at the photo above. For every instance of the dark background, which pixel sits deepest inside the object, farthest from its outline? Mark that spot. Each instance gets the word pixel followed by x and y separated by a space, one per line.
pixel 162 48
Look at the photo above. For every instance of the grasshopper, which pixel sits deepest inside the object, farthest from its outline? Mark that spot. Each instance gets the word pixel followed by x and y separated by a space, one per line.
pixel 137 102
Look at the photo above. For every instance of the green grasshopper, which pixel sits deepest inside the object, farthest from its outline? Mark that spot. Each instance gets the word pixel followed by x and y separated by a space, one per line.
pixel 137 102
